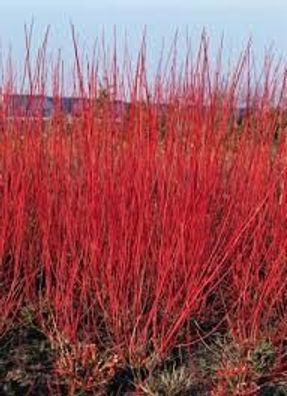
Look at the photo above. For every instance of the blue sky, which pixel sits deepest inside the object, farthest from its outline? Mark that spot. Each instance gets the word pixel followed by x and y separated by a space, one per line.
pixel 264 20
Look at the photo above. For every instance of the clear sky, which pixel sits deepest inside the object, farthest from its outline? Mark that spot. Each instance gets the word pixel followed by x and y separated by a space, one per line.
pixel 264 20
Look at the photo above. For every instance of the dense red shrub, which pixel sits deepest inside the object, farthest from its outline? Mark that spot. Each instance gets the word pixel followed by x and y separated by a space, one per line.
pixel 127 229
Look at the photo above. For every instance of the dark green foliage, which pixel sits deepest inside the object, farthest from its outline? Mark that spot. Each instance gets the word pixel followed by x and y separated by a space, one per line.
pixel 273 390
pixel 26 362
pixel 263 357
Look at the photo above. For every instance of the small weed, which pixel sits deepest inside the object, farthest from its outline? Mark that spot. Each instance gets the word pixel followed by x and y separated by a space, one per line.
pixel 176 382
pixel 262 358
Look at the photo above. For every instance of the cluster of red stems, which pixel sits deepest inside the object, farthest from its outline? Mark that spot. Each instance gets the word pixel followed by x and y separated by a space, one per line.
pixel 125 229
